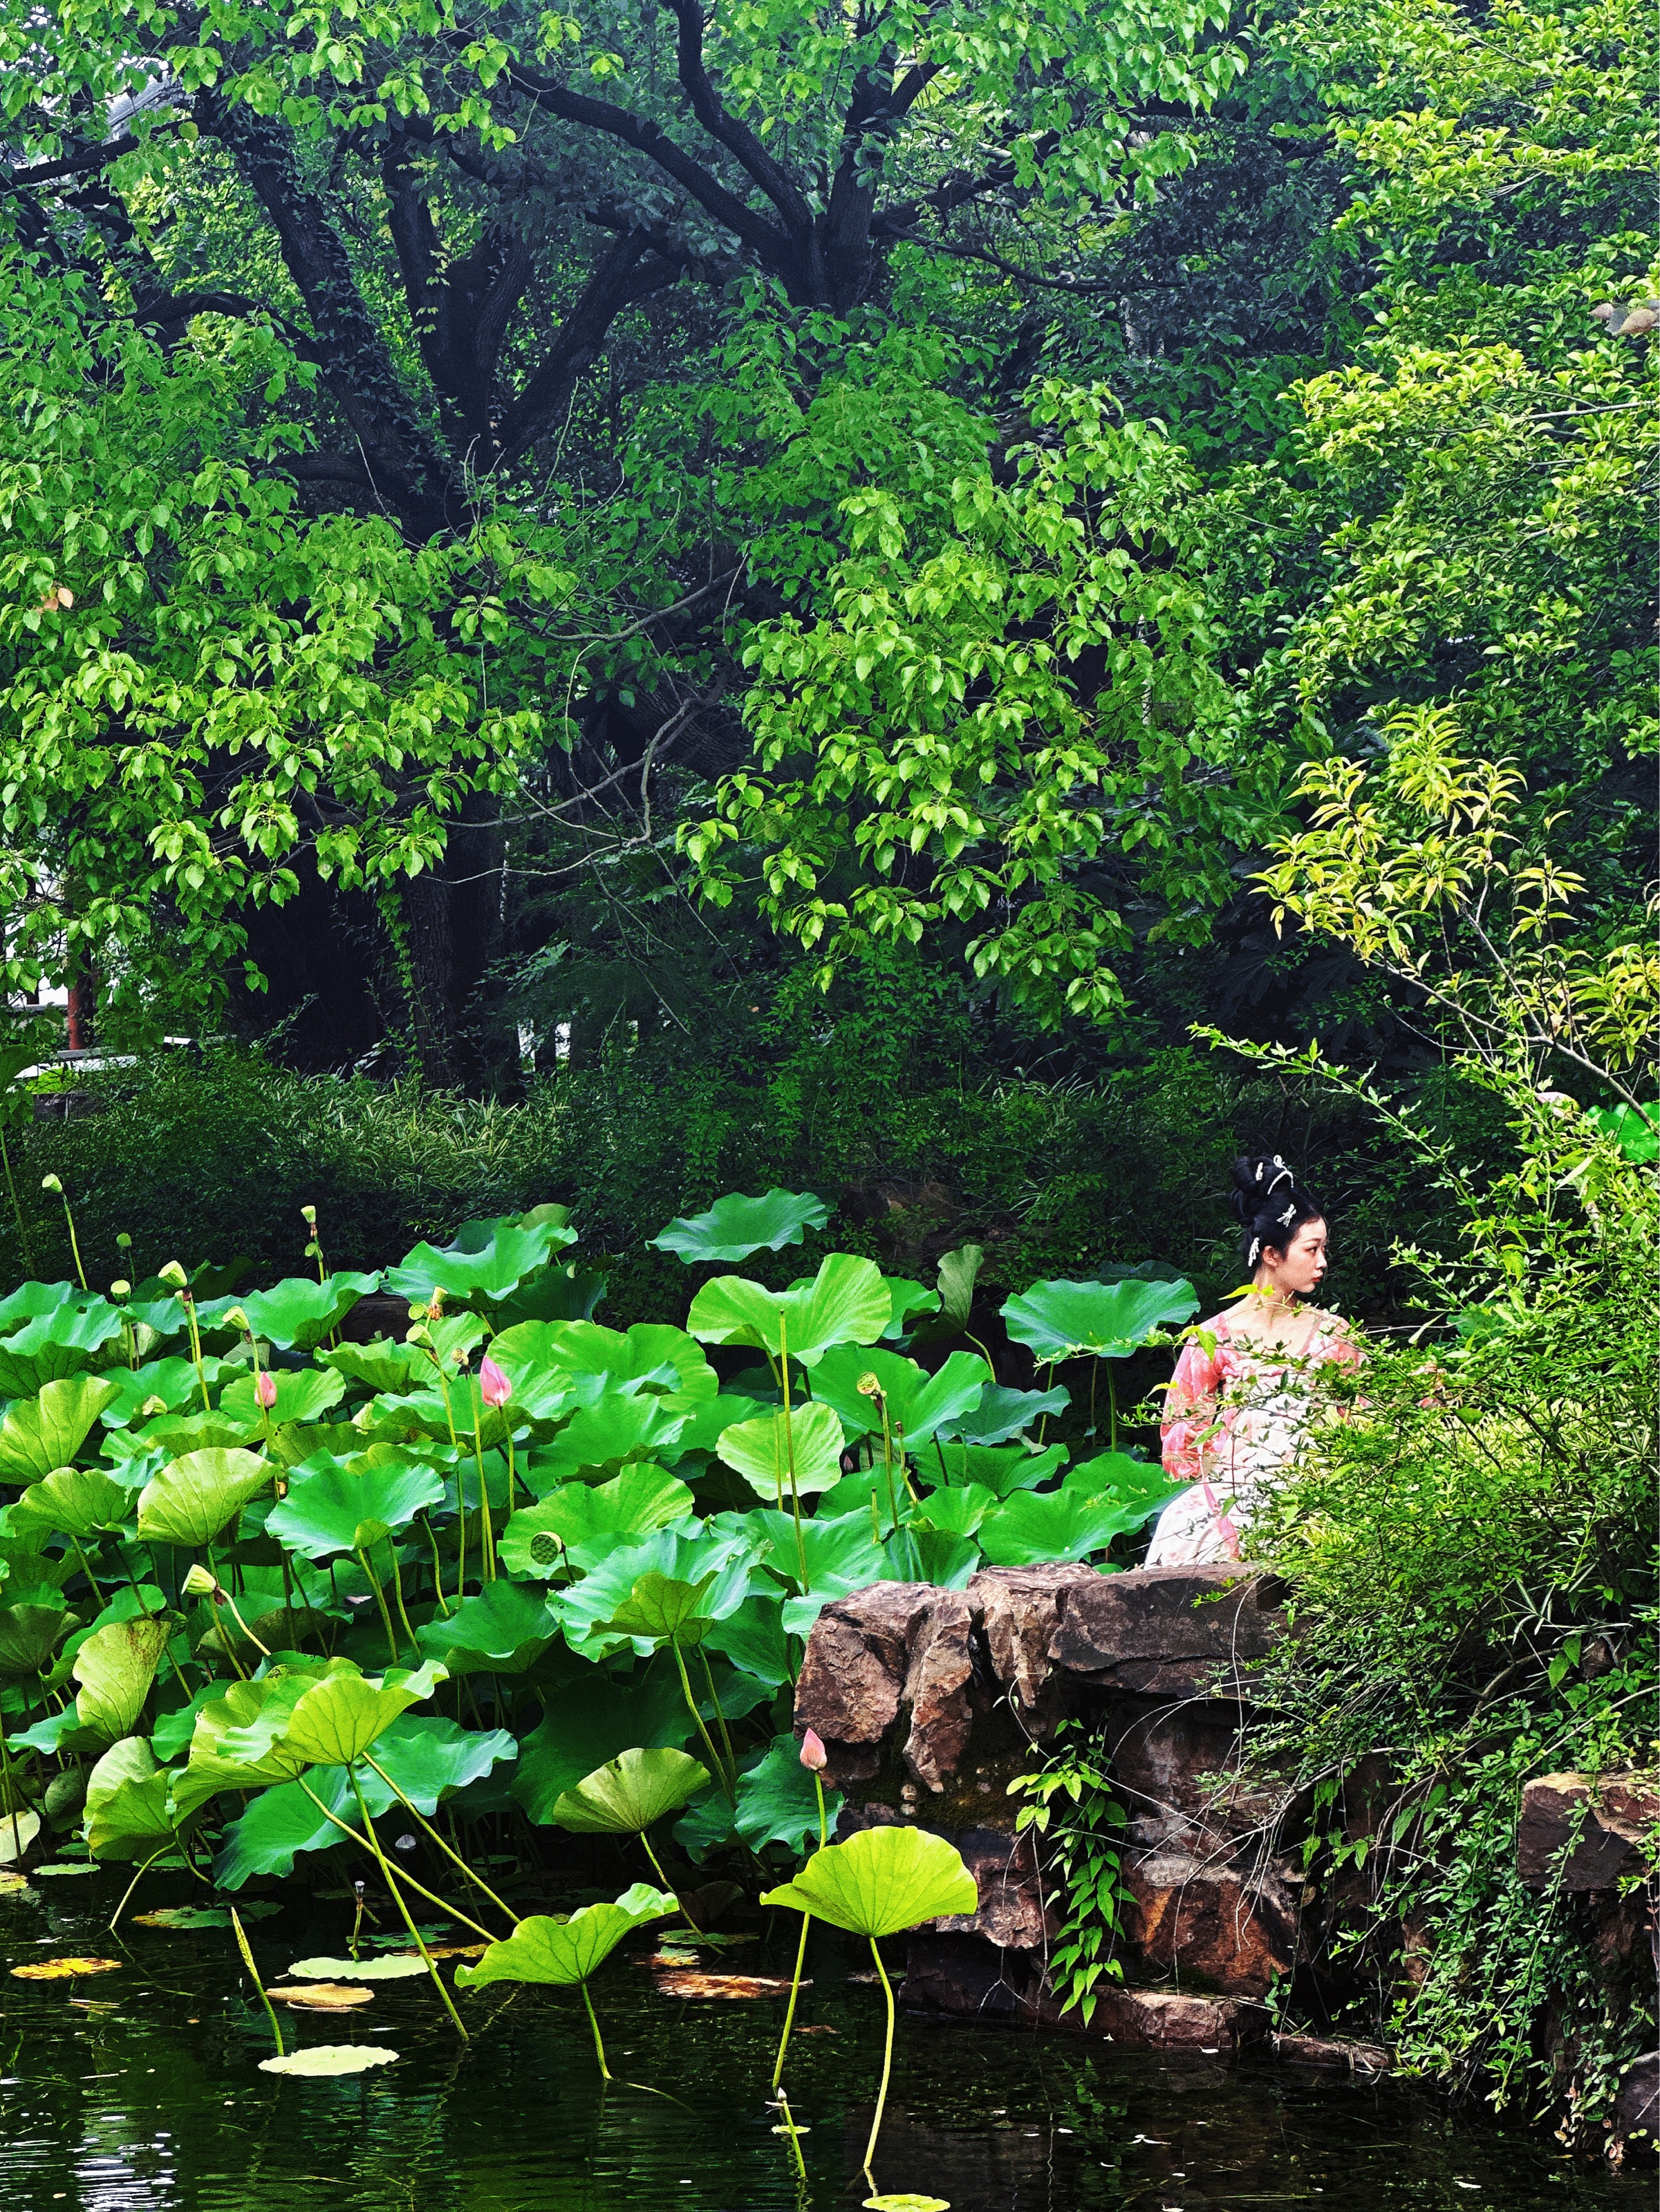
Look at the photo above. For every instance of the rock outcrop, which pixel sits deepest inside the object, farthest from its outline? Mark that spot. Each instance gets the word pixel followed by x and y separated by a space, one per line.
pixel 929 1702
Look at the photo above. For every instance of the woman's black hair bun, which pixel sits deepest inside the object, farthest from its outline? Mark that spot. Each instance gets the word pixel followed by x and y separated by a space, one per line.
pixel 1269 1204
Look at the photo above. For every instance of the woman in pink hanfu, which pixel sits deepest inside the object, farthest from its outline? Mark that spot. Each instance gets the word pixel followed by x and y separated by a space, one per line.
pixel 1242 1394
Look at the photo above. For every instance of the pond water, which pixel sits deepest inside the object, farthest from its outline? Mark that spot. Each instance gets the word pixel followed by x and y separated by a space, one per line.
pixel 139 2090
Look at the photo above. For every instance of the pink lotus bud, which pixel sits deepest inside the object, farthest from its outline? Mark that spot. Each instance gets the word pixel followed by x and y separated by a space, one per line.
pixel 493 1384
pixel 265 1389
pixel 814 1757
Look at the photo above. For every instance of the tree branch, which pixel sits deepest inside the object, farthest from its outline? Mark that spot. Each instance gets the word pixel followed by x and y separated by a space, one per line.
pixel 739 141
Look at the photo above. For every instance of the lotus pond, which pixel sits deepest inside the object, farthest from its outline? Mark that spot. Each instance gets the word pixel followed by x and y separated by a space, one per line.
pixel 140 2091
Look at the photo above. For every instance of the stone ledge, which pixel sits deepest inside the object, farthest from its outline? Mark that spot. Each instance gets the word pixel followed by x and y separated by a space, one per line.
pixel 1585 1831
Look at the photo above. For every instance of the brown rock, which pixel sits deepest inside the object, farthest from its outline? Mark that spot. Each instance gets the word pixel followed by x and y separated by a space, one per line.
pixel 1584 1832
pixel 1332 2054
pixel 961 1977
pixel 936 1689
pixel 1167 1760
pixel 1637 2107
pixel 1011 1913
pixel 1020 1608
pixel 1155 2019
pixel 854 1668
pixel 1188 1918
pixel 1166 1632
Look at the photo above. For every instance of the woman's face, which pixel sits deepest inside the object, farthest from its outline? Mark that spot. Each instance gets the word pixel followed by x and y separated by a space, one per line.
pixel 1296 1270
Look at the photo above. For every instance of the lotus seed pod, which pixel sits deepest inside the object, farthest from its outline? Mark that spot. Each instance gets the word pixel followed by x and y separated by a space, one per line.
pixel 199 1582
pixel 120 1289
pixel 50 1183
pixel 174 1275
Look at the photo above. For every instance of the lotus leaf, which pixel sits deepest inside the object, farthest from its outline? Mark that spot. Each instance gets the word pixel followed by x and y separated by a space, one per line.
pixel 192 1917
pixel 714 1563
pixel 60 1343
pixel 115 1668
pixel 954 1511
pixel 841 1553
pixel 880 1882
pixel 1003 1471
pixel 173 1380
pixel 325 2061
pixel 734 1227
pixel 172 1435
pixel 919 1404
pixel 29 1634
pixel 396 1369
pixel 127 1811
pixel 1110 1320
pixel 566 1951
pixel 910 1301
pixel 328 1506
pixel 48 1433
pixel 1139 1486
pixel 1003 1413
pixel 397 1967
pixel 298 1313
pixel 640 1499
pixel 30 1300
pixel 191 1501
pixel 708 1419
pixel 302 1394
pixel 846 1302
pixel 18 1831
pixel 777 1451
pixel 566 1292
pixel 648 1356
pixel 501 1629
pixel 581 1732
pixel 486 1275
pixel 630 1793
pixel 339 1718
pixel 777 1803
pixel 934 1555
pixel 225 1751
pixel 63 1970
pixel 619 1426
pixel 753 1638
pixel 79 1501
pixel 1035 1528
pixel 313 1996
pixel 1635 1130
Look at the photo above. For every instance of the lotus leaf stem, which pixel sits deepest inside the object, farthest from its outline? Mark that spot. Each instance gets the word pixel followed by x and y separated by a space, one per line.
pixel 403 1610
pixel 409 1922
pixel 789 1448
pixel 664 1881
pixel 719 1717
pixel 248 1961
pixel 801 1947
pixel 380 1600
pixel 11 1801
pixel 792 2132
pixel 437 1573
pixel 887 2067
pixel 717 1765
pixel 487 1534
pixel 594 2022
pixel 408 1880
pixel 127 1893
pixel 415 1812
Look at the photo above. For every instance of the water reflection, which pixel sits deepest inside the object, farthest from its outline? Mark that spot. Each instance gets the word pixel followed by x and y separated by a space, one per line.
pixel 147 2098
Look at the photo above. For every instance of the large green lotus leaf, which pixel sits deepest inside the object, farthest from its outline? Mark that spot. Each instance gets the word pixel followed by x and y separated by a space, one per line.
pixel 340 1719
pixel 128 1815
pixel 846 1302
pixel 649 1356
pixel 302 1394
pixel 173 1380
pixel 1003 1413
pixel 30 1300
pixel 1137 1486
pixel 708 1419
pixel 484 1275
pixel 566 1292
pixel 172 1435
pixel 716 1567
pixel 1635 1131
pixel 1002 1471
pixel 29 1634
pixel 330 1508
pixel 1112 1319
pixel 189 1502
pixel 617 1427
pixel 78 1501
pixel 1036 1528
pixel 502 1629
pixel 115 1668
pixel 233 1745
pixel 426 1756
pixel 298 1314
pixel 777 1803
pixel 63 1342
pixel 629 1793
pixel 921 1405
pixel 38 1436
pixel 396 1369
pixel 910 1301
pixel 954 1511
pixel 579 1515
pixel 805 1445
pixel 753 1638
pixel 734 1227
pixel 566 1951
pixel 880 1882
pixel 591 1721
pixel 842 1552
pixel 934 1555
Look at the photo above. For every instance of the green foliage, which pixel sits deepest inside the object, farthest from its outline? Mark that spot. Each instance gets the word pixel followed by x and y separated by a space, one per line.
pixel 737 1227
pixel 880 1882
pixel 566 1951
pixel 1083 1862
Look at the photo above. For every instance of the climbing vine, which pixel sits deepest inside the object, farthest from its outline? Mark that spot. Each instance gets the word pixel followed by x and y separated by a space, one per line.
pixel 1086 1885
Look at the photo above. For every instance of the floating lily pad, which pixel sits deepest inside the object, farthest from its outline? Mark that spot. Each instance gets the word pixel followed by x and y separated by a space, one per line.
pixel 69 1866
pixel 64 1970
pixel 13 1885
pixel 907 2203
pixel 331 2058
pixel 201 1916
pixel 322 1997
pixel 394 1966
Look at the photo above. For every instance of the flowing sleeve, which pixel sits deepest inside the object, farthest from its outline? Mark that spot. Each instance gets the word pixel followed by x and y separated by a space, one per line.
pixel 1190 1410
